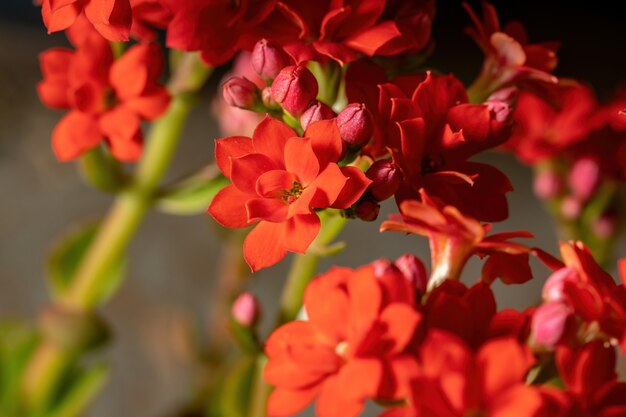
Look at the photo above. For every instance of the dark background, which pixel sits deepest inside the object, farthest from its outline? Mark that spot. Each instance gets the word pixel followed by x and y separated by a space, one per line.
pixel 173 258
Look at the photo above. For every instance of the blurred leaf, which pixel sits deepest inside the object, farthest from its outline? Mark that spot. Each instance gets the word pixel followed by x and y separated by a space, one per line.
pixel 102 171
pixel 83 388
pixel 65 259
pixel 17 342
pixel 246 338
pixel 236 392
pixel 193 194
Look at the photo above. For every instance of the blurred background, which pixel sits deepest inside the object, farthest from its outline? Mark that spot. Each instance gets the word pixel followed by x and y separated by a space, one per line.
pixel 173 259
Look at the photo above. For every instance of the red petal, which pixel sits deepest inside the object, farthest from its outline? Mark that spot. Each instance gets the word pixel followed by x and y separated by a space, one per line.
pixel 300 231
pixel 150 106
pixel 511 269
pixel 323 306
pixel 519 401
pixel 284 402
pixel 228 207
pixel 353 189
pixel 269 209
pixel 336 51
pixel 273 184
pixel 360 378
pixel 504 363
pixel 61 18
pixel 75 134
pixel 112 18
pixel 131 74
pixel 370 40
pixel 621 266
pixel 122 128
pixel 300 160
pixel 328 185
pixel 264 246
pixel 333 403
pixel 246 170
pixel 325 140
pixel 230 148
pixel 400 323
pixel 270 138
pixel 282 339
pixel 365 302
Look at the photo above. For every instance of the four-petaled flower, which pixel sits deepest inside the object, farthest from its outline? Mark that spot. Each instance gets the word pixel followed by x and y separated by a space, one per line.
pixel 278 179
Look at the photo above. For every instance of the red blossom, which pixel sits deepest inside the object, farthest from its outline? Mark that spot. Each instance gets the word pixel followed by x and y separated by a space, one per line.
pixel 107 99
pixel 278 179
pixel 148 16
pixel 111 18
pixel 454 237
pixel 351 348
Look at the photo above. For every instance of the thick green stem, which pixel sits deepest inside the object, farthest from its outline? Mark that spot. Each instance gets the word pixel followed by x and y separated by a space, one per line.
pixel 50 362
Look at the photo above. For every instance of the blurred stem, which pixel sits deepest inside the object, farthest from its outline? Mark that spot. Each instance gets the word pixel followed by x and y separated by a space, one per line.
pixel 50 362
pixel 260 390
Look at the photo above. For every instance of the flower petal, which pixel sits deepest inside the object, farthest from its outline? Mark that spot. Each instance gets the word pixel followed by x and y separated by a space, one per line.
pixel 270 137
pixel 300 231
pixel 353 189
pixel 284 402
pixel 269 209
pixel 246 170
pixel 229 148
pixel 264 246
pixel 228 207
pixel 328 185
pixel 300 160
pixel 75 134
pixel 326 141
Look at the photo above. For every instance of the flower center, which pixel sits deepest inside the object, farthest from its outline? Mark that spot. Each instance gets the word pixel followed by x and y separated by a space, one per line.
pixel 341 349
pixel 289 196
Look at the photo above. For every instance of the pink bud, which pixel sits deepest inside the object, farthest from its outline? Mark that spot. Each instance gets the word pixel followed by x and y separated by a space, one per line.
pixel 241 92
pixel 549 323
pixel 245 310
pixel 383 267
pixel 295 87
pixel 268 58
pixel 584 178
pixel 385 179
pixel 268 98
pixel 604 226
pixel 547 184
pixel 414 270
pixel 501 103
pixel 367 210
pixel 570 208
pixel 553 288
pixel 316 112
pixel 356 125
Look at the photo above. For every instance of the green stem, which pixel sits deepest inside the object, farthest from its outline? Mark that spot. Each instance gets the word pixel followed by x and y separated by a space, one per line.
pixel 50 362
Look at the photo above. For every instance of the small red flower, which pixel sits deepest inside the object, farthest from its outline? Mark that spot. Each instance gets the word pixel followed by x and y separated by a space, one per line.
pixel 350 349
pixel 278 179
pixel 111 18
pixel 148 16
pixel 108 99
pixel 454 237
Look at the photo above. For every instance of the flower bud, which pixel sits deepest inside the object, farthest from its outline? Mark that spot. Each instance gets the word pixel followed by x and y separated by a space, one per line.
pixel 385 179
pixel 356 125
pixel 604 226
pixel 268 98
pixel 241 92
pixel 547 184
pixel 553 288
pixel 414 270
pixel 549 323
pixel 294 88
pixel 268 58
pixel 367 210
pixel 570 208
pixel 245 310
pixel 584 178
pixel 316 112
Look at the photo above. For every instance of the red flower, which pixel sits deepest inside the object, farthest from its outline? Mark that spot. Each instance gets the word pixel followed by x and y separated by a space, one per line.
pixel 149 15
pixel 350 349
pixel 590 294
pixel 107 99
pixel 277 181
pixel 342 30
pixel 543 130
pixel 111 18
pixel 454 237
pixel 431 131
pixel 455 382
pixel 508 56
pixel 216 28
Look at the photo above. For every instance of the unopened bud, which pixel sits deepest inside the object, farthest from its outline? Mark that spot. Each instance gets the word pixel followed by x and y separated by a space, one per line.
pixel 241 92
pixel 316 112
pixel 584 178
pixel 246 310
pixel 604 226
pixel 553 288
pixel 383 267
pixel 295 87
pixel 268 98
pixel 385 179
pixel 547 184
pixel 570 207
pixel 367 210
pixel 414 270
pixel 549 323
pixel 356 125
pixel 268 58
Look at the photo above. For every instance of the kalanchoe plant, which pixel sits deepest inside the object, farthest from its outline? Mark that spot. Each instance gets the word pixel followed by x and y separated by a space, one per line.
pixel 325 116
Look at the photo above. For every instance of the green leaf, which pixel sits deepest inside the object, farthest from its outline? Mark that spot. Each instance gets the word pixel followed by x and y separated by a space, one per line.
pixel 17 342
pixel 83 389
pixel 192 195
pixel 65 259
